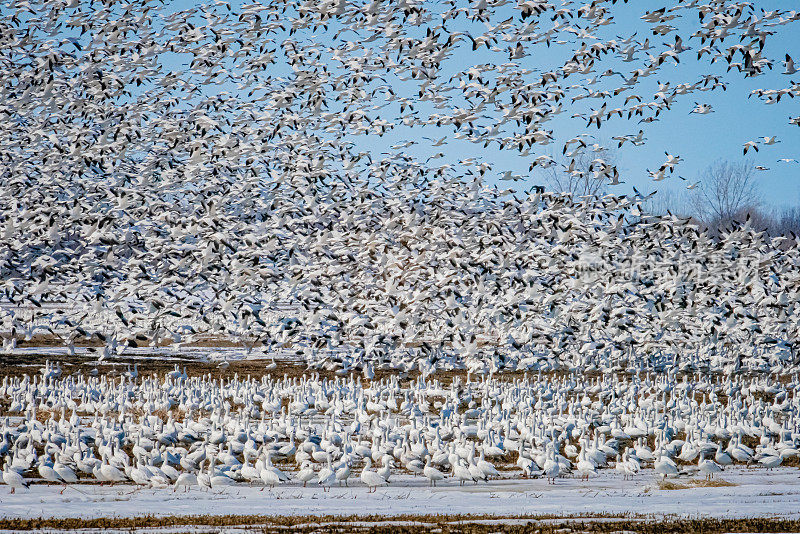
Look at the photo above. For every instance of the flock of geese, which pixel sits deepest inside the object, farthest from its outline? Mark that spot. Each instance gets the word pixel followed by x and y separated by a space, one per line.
pixel 254 173
pixel 244 172
pixel 179 432
pixel 418 281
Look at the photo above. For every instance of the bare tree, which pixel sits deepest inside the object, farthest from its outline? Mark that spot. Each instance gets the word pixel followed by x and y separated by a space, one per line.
pixel 787 221
pixel 727 190
pixel 585 173
pixel 669 200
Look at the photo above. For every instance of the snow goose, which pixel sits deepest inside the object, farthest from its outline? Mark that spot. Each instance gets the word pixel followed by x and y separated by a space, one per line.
pixel 370 478
pixel 738 451
pixel 169 471
pixel 461 472
pixel 770 461
pixel 688 452
pixel 12 478
pixel 551 468
pixel 664 465
pixel 216 477
pixel 139 475
pixel 283 477
pixel 306 473
pixel 632 464
pixel 269 477
pixel 248 472
pixel 65 472
pixel 584 466
pixel 186 480
pixel 722 457
pixel 528 466
pixel 431 473
pixel 343 472
pixel 474 469
pixel 326 476
pixel 110 473
pixel 46 470
pixel 204 478
pixel 386 471
pixel 708 467
pixel 620 467
pixel 488 469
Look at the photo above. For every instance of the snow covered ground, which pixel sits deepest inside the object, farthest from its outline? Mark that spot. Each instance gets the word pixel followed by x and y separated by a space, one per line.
pixel 757 493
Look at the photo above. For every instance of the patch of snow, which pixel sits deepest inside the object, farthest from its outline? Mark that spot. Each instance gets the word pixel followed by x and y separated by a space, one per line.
pixel 758 493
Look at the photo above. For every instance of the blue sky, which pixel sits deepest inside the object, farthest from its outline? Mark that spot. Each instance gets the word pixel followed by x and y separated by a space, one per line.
pixel 698 139
pixel 702 139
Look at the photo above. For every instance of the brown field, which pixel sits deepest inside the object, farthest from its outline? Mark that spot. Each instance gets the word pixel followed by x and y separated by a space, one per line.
pixel 696 483
pixel 477 524
pixel 49 340
pixel 18 365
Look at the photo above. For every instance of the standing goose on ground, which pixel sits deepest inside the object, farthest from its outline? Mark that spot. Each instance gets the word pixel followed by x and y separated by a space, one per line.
pixel 204 478
pixel 461 473
pixel 551 468
pixel 216 477
pixel 708 467
pixel 12 478
pixel 664 465
pixel 370 478
pixel 386 470
pixel 343 473
pixel 249 472
pixel 269 477
pixel 722 458
pixel 326 476
pixel 432 474
pixel 584 466
pixel 306 473
pixel 488 469
pixel 186 480
pixel 46 470
pixel 770 461
pixel 111 473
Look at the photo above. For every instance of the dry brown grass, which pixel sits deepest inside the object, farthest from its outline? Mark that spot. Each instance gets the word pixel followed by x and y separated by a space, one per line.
pixel 49 340
pixel 544 524
pixel 29 364
pixel 670 485
pixel 694 483
pixel 211 342
pixel 713 483
pixel 17 365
